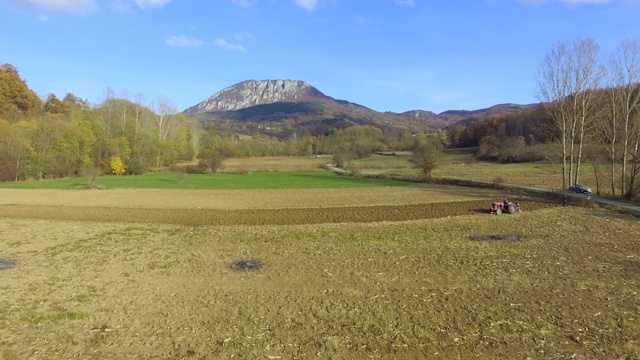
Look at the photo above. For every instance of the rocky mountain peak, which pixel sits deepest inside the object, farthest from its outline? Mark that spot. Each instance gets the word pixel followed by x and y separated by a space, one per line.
pixel 252 92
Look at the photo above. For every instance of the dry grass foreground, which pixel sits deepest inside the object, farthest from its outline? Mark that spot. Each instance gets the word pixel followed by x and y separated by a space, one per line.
pixel 392 290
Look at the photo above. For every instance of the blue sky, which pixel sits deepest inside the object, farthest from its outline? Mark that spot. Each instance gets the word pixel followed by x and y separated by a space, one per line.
pixel 388 55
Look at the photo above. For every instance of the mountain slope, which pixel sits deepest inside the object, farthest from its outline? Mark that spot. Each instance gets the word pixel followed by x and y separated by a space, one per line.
pixel 466 116
pixel 284 101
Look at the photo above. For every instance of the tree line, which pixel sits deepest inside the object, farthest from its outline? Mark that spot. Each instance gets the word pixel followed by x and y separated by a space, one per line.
pixel 52 137
pixel 589 111
pixel 589 101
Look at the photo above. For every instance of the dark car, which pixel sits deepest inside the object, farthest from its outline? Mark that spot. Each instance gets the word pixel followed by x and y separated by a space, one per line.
pixel 580 189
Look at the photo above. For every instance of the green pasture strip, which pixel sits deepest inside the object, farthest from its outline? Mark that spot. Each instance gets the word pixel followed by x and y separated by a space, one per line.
pixel 258 180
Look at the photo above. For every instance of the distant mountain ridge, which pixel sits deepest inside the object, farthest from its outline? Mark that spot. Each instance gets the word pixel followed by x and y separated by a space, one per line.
pixel 251 93
pixel 277 101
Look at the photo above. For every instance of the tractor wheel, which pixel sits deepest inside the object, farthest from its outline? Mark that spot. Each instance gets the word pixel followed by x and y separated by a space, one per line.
pixel 512 209
pixel 499 211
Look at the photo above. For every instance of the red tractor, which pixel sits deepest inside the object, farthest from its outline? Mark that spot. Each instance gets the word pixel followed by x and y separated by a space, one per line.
pixel 505 206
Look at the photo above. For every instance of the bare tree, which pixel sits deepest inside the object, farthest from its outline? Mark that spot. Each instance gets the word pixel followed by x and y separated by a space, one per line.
pixel 632 189
pixel 567 81
pixel 553 89
pixel 588 75
pixel 610 134
pixel 165 117
pixel 167 122
pixel 195 134
pixel 427 150
pixel 623 89
pixel 634 151
pixel 106 113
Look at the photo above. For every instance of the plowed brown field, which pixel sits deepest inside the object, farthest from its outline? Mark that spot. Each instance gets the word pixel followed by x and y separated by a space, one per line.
pixel 249 207
pixel 195 217
pixel 114 274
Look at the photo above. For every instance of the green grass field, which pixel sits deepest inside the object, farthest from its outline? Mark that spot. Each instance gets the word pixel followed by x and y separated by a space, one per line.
pixel 258 180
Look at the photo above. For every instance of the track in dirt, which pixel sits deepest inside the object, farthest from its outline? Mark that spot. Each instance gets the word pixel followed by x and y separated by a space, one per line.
pixel 193 217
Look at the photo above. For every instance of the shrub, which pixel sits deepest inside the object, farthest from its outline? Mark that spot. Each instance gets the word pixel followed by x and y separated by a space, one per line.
pixel 512 150
pixel 354 168
pixel 215 162
pixel 340 159
pixel 137 167
pixel 212 162
pixel 488 149
pixel 425 157
pixel 117 166
pixel 201 168
pixel 532 154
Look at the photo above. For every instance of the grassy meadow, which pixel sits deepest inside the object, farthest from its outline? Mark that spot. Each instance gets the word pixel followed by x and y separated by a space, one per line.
pixel 462 165
pixel 225 180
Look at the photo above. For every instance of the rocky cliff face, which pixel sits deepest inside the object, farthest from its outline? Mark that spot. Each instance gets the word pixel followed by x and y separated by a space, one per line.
pixel 250 93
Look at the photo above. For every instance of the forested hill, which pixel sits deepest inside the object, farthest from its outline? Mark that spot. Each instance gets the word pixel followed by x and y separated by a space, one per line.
pixel 16 99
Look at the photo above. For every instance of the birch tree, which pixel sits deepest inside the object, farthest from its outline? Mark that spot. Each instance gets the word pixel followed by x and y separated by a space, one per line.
pixel 566 83
pixel 195 135
pixel 622 121
pixel 168 124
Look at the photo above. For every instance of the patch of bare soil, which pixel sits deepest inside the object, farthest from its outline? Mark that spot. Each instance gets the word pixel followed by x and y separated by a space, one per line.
pixel 498 237
pixel 195 217
pixel 6 264
pixel 245 265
